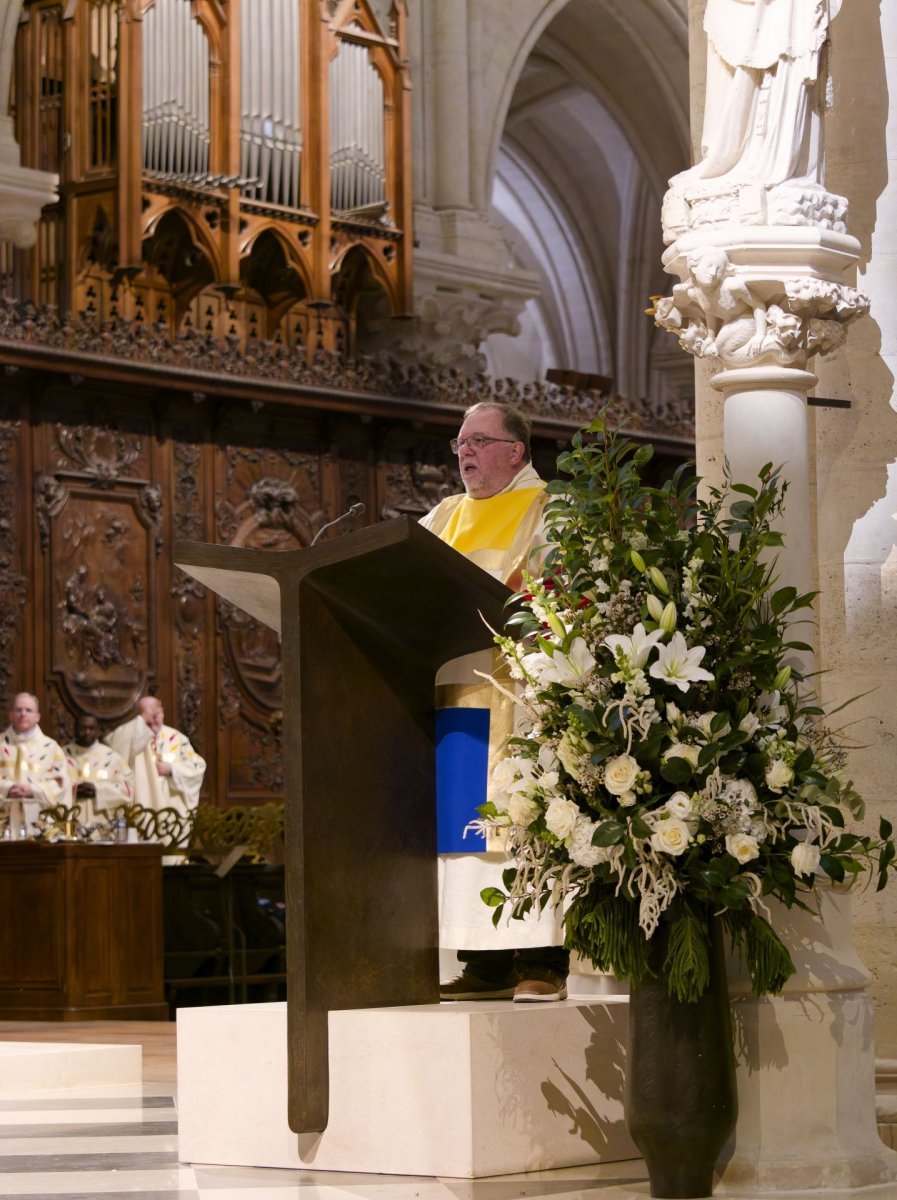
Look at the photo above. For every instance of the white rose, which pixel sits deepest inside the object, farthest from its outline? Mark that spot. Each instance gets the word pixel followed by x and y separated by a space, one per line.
pixel 561 817
pixel 679 805
pixel 805 858
pixel 683 750
pixel 742 847
pixel 778 775
pixel 671 836
pixel 522 810
pixel 620 773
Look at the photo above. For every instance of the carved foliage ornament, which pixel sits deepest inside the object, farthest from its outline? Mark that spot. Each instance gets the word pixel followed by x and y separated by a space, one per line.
pixel 716 311
pixel 25 326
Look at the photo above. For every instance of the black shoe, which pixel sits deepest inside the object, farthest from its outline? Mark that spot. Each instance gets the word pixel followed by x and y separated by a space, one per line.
pixel 468 987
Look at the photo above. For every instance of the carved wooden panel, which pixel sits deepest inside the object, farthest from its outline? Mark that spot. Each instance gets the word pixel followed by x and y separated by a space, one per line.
pixel 97 480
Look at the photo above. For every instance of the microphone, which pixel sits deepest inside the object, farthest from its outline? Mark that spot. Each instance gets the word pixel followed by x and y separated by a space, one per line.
pixel 357 508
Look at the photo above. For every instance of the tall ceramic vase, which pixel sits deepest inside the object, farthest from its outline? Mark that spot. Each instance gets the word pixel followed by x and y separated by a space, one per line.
pixel 680 1097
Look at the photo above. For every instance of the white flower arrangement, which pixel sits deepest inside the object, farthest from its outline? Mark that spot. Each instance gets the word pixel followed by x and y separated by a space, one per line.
pixel 669 767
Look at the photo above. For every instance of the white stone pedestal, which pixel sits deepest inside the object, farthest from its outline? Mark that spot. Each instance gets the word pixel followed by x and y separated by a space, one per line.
pixel 464 1090
pixel 806 1066
pixel 27 1068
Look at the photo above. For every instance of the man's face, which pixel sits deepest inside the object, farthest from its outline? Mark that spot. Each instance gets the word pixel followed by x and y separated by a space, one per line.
pixel 24 714
pixel 153 713
pixel 87 729
pixel 487 471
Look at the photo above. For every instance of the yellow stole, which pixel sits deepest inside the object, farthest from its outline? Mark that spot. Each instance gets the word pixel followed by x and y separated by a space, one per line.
pixel 495 533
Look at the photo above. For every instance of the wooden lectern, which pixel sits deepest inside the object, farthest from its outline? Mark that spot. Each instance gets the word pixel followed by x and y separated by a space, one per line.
pixel 365 621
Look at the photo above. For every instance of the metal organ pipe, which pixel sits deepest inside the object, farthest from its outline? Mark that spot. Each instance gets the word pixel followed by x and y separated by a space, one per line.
pixel 176 115
pixel 270 124
pixel 357 140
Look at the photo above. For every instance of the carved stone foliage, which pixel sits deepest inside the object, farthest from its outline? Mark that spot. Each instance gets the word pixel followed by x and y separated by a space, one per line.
pixel 14 590
pixel 744 317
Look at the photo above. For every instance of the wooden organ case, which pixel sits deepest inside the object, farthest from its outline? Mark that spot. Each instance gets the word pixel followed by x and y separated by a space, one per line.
pixel 240 167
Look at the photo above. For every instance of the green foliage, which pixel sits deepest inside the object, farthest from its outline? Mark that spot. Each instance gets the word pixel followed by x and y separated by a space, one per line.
pixel 673 761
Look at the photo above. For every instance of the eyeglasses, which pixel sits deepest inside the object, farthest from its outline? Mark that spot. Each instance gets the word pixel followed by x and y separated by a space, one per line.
pixel 476 441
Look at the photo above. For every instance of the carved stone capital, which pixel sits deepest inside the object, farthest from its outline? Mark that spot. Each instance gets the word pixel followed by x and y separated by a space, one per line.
pixel 760 296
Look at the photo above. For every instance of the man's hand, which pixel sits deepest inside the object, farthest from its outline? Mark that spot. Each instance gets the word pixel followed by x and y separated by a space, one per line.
pixel 163 768
pixel 86 791
pixel 20 791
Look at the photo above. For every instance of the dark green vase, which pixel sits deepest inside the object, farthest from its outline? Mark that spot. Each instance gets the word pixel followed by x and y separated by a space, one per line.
pixel 680 1098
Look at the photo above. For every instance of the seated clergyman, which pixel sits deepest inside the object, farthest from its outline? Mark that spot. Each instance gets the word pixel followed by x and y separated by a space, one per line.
pixel 33 770
pixel 168 773
pixel 102 780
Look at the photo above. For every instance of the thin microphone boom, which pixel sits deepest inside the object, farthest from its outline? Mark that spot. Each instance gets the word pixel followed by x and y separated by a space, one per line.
pixel 356 509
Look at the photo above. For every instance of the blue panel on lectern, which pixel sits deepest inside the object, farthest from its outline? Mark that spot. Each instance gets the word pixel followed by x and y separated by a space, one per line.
pixel 462 767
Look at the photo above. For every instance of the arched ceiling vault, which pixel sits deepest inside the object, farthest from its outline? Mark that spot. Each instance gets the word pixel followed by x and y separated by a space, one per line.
pixel 596 124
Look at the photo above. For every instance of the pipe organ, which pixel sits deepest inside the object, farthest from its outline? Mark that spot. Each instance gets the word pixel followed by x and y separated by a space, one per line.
pixel 357 142
pixel 270 116
pixel 243 168
pixel 176 118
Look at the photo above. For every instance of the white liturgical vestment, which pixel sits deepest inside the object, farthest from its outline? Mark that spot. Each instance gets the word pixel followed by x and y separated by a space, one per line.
pixel 504 535
pixel 34 759
pixel 110 775
pixel 141 750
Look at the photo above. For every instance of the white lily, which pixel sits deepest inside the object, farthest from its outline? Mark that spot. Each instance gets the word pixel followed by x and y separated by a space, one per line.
pixel 635 649
pixel 567 669
pixel 677 664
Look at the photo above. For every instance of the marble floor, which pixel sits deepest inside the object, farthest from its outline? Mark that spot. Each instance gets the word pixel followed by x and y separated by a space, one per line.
pixel 120 1143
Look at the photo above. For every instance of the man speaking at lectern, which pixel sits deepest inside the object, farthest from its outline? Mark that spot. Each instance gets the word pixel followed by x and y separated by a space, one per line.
pixel 497 523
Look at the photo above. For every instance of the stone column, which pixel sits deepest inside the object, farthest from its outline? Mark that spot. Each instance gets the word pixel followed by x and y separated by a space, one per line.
pixel 466 285
pixel 764 264
pixel 23 192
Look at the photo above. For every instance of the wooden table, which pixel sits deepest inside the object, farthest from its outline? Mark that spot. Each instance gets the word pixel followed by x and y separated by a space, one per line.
pixel 81 932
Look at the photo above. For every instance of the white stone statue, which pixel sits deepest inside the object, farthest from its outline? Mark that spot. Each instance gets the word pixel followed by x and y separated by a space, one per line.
pixel 765 94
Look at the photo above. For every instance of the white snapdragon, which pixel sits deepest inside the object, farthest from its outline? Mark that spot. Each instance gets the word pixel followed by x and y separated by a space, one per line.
pixel 575 754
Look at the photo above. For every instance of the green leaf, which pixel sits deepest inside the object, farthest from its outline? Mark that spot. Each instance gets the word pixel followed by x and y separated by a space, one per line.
pixel 783 599
pixel 493 897
pixel 609 833
pixel 639 827
pixel 676 770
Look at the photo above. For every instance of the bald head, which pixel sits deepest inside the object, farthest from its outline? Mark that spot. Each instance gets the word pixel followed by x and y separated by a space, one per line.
pixel 25 712
pixel 152 712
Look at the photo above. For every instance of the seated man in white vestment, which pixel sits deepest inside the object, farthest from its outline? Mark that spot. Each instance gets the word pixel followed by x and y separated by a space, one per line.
pixel 168 773
pixel 33 771
pixel 497 523
pixel 101 778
